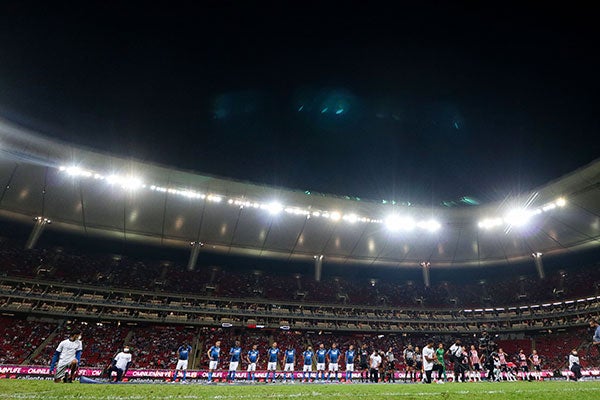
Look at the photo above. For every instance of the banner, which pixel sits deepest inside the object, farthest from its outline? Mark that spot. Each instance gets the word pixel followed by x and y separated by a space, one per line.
pixel 15 371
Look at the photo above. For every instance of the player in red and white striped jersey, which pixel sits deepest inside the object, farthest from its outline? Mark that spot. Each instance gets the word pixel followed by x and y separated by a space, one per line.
pixel 506 373
pixel 475 364
pixel 523 367
pixel 536 365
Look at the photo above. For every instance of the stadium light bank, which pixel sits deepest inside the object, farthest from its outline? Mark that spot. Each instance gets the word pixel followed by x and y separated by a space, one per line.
pixel 393 222
pixel 519 217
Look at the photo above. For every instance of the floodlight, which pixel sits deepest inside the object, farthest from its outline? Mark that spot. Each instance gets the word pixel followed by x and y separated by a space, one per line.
pixel 549 207
pixel 518 217
pixel 126 182
pixel 396 223
pixel 561 202
pixel 489 223
pixel 430 225
pixel 76 171
pixel 352 218
pixel 274 208
pixel 335 216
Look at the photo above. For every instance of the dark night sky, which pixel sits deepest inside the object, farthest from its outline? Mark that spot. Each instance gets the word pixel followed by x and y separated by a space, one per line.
pixel 440 99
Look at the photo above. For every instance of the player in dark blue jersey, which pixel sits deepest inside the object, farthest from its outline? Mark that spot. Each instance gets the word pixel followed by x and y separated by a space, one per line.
pixel 333 356
pixel 183 355
pixel 350 354
pixel 321 354
pixel 308 356
pixel 289 358
pixel 252 358
pixel 213 356
pixel 272 360
pixel 234 362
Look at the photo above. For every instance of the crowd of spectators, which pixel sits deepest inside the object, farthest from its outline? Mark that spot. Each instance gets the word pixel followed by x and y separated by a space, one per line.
pixel 227 282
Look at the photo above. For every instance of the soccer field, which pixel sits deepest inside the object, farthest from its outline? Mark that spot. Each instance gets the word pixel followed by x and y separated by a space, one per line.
pixel 22 389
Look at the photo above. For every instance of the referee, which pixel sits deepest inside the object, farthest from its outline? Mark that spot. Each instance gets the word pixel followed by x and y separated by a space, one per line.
pixel 364 363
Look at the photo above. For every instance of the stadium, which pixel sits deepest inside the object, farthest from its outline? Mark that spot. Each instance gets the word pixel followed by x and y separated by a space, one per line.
pixel 141 256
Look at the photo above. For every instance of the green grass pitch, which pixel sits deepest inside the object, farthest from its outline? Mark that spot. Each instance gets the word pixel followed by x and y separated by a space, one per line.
pixel 22 389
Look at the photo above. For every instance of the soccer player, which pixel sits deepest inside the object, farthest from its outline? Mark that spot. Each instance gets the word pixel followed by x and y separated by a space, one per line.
pixel 66 358
pixel 375 362
pixel 236 354
pixel 409 360
pixel 522 359
pixel 391 365
pixel 364 363
pixel 350 354
pixel 429 359
pixel 440 363
pixel 272 357
pixel 536 365
pixel 252 358
pixel 475 364
pixel 308 356
pixel 183 354
pixel 574 365
pixel 497 372
pixel 213 359
pixel 333 356
pixel 465 363
pixel 503 366
pixel 321 355
pixel 289 357
pixel 120 364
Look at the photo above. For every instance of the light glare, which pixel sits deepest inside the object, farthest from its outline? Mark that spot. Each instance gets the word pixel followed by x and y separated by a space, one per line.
pixel 396 223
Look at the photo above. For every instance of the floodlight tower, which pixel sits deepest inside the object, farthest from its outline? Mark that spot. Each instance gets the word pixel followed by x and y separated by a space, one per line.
pixel 426 265
pixel 36 232
pixel 539 265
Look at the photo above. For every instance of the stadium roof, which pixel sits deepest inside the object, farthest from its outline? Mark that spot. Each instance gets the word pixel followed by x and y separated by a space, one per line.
pixel 100 195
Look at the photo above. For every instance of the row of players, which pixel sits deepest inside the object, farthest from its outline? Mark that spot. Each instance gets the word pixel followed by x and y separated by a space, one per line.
pixel 68 353
pixel 371 364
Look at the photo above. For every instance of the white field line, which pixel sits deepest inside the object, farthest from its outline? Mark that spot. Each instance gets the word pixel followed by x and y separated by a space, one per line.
pixel 577 387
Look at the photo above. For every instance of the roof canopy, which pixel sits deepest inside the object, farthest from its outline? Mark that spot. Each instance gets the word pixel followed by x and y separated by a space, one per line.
pixel 98 194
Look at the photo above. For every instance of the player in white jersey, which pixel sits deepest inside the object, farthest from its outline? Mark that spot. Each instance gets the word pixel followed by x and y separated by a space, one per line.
pixel 66 358
pixel 120 364
pixel 574 365
pixel 455 352
pixel 429 360
pixel 374 363
pixel 536 365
